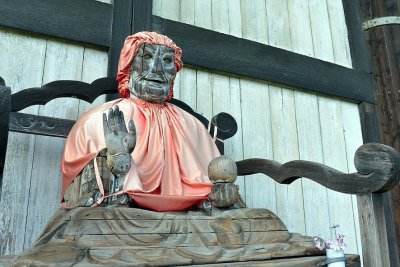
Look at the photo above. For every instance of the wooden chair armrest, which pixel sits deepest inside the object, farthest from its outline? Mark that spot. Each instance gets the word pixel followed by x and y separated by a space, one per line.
pixel 378 170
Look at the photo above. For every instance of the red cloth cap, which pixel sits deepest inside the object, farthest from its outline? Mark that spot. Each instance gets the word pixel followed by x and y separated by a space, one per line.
pixel 130 50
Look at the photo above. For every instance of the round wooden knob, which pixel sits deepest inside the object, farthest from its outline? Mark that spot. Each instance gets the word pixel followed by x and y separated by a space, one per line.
pixel 222 170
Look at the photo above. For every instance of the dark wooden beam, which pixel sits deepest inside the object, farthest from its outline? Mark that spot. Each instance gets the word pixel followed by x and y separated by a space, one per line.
pixel 129 16
pixel 85 21
pixel 224 53
pixel 378 170
pixel 63 88
pixel 5 105
pixel 384 47
pixel 358 46
pixel 121 27
pixel 40 125
pixel 375 211
pixel 108 25
pixel 142 11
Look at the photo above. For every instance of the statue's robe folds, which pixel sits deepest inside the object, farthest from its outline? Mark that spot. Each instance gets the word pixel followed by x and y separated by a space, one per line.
pixel 170 160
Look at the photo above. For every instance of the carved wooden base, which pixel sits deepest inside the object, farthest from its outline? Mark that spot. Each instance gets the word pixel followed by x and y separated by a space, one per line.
pixel 136 237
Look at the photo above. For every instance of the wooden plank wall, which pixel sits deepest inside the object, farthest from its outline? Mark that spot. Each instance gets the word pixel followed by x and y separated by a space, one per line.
pixel 277 122
pixel 274 122
pixel 32 176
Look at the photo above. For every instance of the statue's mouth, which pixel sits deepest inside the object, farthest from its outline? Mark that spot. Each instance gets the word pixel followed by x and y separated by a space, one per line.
pixel 155 79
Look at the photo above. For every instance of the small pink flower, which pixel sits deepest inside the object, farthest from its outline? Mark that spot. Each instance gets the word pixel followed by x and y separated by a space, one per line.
pixel 319 243
pixel 337 244
pixel 340 240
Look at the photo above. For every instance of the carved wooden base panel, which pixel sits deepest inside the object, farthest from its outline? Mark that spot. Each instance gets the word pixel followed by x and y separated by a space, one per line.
pixel 135 237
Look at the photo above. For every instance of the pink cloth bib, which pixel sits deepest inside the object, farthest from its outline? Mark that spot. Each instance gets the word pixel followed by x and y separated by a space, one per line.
pixel 170 160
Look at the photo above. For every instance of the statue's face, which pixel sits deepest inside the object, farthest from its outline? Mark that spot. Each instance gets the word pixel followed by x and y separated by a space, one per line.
pixel 152 72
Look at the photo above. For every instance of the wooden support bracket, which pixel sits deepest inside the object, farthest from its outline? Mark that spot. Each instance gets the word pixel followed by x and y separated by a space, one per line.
pixel 378 169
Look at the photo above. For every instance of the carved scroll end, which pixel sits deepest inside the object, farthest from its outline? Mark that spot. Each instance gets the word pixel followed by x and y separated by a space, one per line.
pixel 379 163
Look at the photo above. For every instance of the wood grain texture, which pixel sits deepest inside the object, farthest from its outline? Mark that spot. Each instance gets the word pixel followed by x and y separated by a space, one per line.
pixel 50 126
pixel 94 65
pixel 63 88
pixel 20 54
pixel 143 22
pixel 122 236
pixel 378 169
pixel 142 15
pixel 121 27
pixel 380 229
pixel 5 105
pixel 256 116
pixel 40 125
pixel 129 17
pixel 357 42
pixel 331 117
pixel 203 17
pixel 62 61
pixel 308 124
pixel 232 94
pixel 317 77
pixel 351 260
pixel 353 139
pixel 185 12
pixel 384 47
pixel 90 23
pixel 283 122
pixel 330 114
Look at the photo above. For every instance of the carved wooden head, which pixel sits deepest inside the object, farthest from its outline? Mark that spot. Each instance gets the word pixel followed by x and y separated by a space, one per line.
pixel 155 53
pixel 152 73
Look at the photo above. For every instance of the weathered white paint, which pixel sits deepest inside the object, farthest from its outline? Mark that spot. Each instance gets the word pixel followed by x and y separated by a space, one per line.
pixel 32 180
pixel 308 126
pixel 280 123
pixel 63 61
pixel 274 122
pixel 94 66
pixel 284 128
pixel 19 55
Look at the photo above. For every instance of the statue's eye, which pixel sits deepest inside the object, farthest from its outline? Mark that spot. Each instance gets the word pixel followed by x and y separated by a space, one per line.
pixel 167 60
pixel 147 56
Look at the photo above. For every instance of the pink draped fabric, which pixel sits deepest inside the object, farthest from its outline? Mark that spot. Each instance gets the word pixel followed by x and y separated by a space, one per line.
pixel 170 160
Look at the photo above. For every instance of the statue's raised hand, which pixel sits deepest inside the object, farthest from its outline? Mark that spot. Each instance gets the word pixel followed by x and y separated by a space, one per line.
pixel 119 141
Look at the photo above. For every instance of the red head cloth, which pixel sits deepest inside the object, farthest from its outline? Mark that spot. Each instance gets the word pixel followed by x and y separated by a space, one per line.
pixel 130 50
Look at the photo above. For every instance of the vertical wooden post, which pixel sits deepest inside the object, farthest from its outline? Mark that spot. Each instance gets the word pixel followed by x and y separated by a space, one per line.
pixel 384 46
pixel 5 106
pixel 129 16
pixel 376 216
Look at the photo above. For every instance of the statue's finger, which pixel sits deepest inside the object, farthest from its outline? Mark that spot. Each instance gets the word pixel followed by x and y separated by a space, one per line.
pixel 111 121
pixel 106 129
pixel 132 127
pixel 121 124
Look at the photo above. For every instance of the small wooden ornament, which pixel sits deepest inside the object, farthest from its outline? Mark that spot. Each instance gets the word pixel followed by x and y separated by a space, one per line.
pixel 222 170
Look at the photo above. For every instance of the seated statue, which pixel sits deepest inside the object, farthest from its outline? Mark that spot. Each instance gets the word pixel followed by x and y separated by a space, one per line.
pixel 160 160
pixel 142 151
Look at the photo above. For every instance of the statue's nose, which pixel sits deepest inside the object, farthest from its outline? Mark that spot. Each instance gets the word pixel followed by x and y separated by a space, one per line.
pixel 157 67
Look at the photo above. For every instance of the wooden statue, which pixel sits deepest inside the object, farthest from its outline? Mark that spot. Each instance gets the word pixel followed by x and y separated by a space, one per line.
pixel 168 168
pixel 146 164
